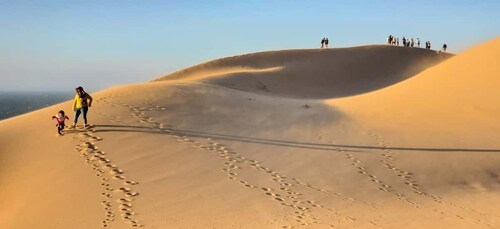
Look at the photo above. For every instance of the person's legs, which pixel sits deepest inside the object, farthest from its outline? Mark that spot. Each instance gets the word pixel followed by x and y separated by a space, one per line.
pixel 60 128
pixel 84 111
pixel 77 114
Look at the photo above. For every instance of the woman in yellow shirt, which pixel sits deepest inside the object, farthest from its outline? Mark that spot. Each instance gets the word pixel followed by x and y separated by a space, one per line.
pixel 81 105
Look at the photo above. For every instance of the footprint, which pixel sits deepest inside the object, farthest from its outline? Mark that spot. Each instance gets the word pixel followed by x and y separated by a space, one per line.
pixel 123 189
pixel 132 193
pixel 124 200
pixel 107 195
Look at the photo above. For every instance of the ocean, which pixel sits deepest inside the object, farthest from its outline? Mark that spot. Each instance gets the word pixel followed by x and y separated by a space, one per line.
pixel 17 103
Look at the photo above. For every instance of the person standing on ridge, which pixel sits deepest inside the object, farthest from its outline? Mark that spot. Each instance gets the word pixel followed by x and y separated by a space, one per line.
pixel 418 42
pixel 323 43
pixel 445 47
pixel 81 105
pixel 326 42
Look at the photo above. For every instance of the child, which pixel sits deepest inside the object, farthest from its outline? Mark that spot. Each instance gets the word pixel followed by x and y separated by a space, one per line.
pixel 60 118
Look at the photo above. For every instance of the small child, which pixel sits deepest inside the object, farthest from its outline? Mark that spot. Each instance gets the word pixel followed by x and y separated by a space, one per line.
pixel 60 118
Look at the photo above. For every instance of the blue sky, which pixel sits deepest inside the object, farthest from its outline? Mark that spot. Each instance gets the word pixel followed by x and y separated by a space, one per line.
pixel 58 45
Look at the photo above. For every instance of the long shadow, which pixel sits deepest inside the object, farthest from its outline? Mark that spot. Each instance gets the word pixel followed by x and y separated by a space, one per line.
pixel 295 144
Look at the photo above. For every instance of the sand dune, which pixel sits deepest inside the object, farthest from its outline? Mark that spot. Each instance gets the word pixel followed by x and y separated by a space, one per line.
pixel 457 99
pixel 194 151
pixel 314 73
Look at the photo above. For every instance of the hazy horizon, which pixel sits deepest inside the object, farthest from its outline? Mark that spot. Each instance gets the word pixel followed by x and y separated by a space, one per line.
pixel 58 45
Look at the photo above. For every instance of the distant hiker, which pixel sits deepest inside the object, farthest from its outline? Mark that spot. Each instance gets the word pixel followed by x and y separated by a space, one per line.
pixel 412 42
pixel 445 47
pixel 389 40
pixel 404 41
pixel 429 44
pixel 418 42
pixel 326 42
pixel 60 117
pixel 397 41
pixel 81 105
pixel 323 42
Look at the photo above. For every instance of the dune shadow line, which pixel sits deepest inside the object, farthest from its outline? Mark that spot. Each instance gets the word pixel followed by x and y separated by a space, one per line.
pixel 295 144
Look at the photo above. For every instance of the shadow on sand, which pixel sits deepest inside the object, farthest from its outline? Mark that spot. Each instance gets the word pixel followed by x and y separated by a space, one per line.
pixel 294 144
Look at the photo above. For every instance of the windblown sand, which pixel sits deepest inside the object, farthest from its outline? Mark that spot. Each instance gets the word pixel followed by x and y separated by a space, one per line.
pixel 363 137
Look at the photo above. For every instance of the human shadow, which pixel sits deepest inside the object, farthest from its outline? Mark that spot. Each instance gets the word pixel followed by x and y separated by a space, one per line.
pixel 275 142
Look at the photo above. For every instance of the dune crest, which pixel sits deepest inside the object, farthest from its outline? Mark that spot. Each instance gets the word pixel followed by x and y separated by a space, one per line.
pixel 314 73
pixel 458 97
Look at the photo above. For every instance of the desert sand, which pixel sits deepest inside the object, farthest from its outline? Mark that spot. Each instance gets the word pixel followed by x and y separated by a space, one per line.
pixel 363 137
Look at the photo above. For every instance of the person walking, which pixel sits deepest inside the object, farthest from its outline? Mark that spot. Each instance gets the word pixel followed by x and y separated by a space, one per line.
pixel 418 42
pixel 60 117
pixel 81 105
pixel 326 42
pixel 323 42
pixel 445 47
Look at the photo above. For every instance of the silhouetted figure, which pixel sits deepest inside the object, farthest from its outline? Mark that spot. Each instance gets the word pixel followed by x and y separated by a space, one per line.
pixel 418 42
pixel 404 41
pixel 326 42
pixel 429 44
pixel 445 47
pixel 389 40
pixel 412 42
pixel 323 42
pixel 397 41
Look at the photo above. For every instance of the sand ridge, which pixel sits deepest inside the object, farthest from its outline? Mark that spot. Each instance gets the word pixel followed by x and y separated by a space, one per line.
pixel 314 73
pixel 196 153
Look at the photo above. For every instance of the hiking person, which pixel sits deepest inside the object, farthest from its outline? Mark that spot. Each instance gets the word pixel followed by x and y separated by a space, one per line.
pixel 326 42
pixel 412 42
pixel 418 42
pixel 81 105
pixel 445 47
pixel 323 43
pixel 60 117
pixel 404 41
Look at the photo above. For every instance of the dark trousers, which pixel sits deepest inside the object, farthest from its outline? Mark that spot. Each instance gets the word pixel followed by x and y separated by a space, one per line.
pixel 82 111
pixel 60 127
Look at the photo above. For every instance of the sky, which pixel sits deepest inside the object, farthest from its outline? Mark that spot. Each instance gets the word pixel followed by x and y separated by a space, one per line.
pixel 59 45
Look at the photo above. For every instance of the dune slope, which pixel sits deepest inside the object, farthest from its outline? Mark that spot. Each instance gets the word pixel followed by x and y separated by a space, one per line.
pixel 458 98
pixel 196 153
pixel 314 73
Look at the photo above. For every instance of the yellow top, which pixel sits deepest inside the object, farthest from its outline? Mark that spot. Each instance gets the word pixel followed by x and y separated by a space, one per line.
pixel 85 101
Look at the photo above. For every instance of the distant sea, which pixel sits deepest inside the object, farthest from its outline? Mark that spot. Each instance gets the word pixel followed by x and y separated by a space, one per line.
pixel 17 103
